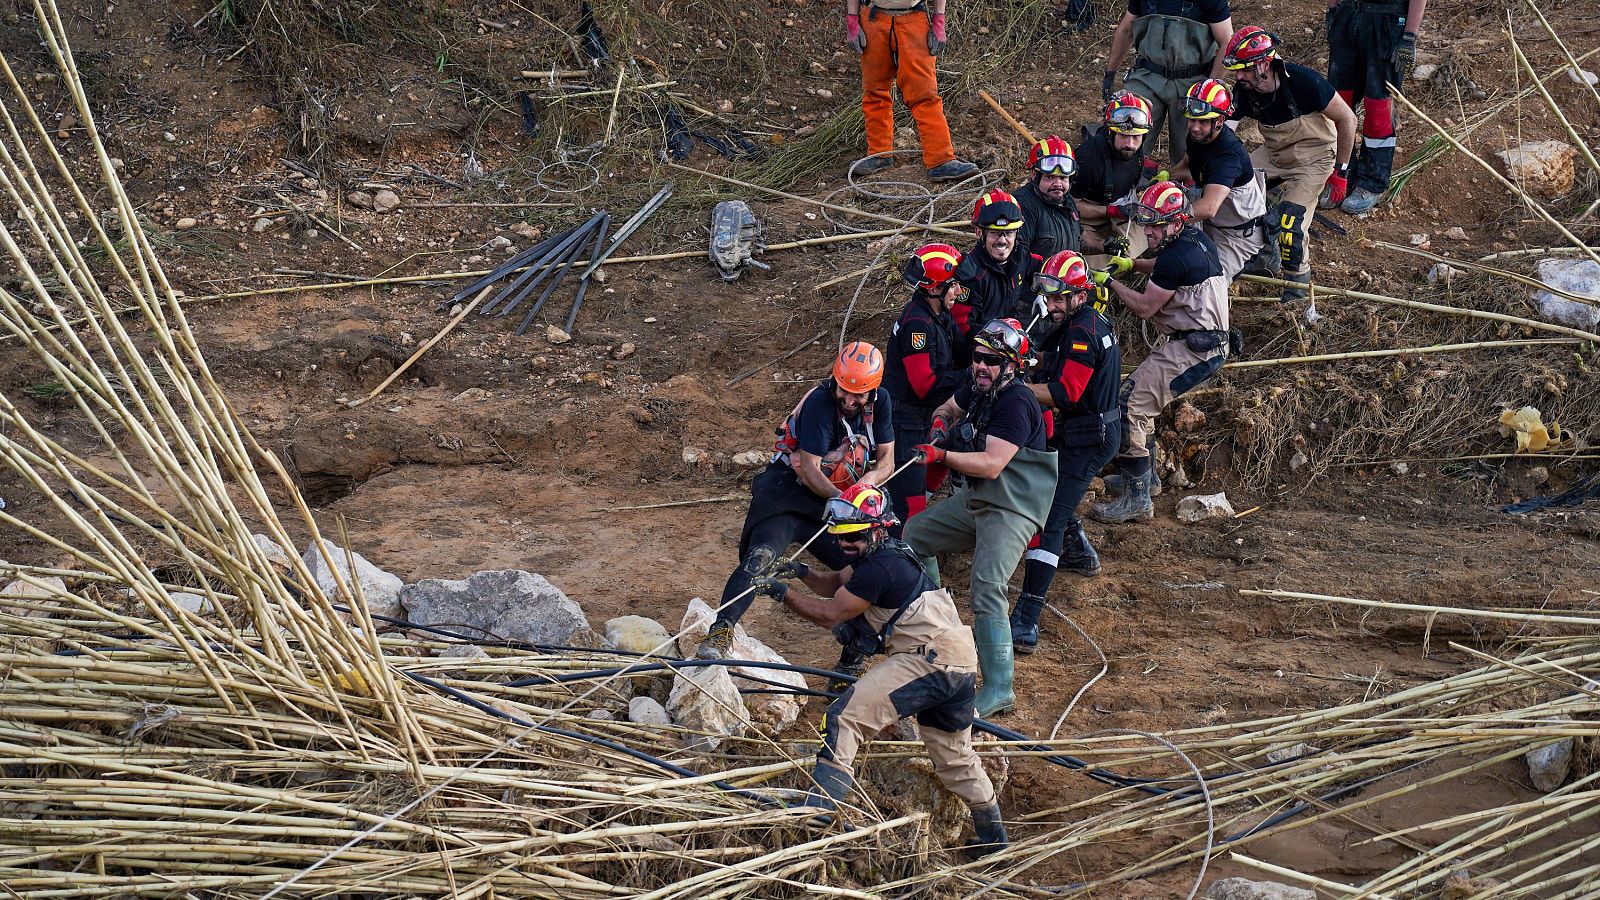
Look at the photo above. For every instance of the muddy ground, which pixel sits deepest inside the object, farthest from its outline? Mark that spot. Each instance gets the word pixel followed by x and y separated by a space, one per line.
pixel 499 451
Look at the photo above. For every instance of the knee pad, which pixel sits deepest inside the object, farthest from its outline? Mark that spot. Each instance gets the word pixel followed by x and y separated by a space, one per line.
pixel 1291 233
pixel 1379 122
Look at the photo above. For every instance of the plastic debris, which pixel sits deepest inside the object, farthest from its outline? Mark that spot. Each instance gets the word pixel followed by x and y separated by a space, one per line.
pixel 1528 427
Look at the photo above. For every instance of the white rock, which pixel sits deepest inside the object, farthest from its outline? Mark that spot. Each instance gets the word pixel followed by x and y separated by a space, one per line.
pixel 773 712
pixel 1549 766
pixel 1245 889
pixel 751 458
pixel 645 711
pixel 624 351
pixel 1199 507
pixel 555 335
pixel 1584 75
pixel 187 222
pixel 1456 233
pixel 499 242
pixel 824 93
pixel 21 590
pixel 706 700
pixel 1400 468
pixel 1284 754
pixel 385 200
pixel 600 715
pixel 193 603
pixel 274 553
pixel 1543 168
pixel 1421 241
pixel 380 589
pixel 508 603
pixel 261 224
pixel 1443 272
pixel 1298 461
pixel 1575 276
pixel 1424 72
pixel 693 455
pixel 635 634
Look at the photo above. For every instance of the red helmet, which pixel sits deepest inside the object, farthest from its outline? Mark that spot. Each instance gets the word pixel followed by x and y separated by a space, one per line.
pixel 860 507
pixel 1209 99
pixel 1052 156
pixel 859 367
pixel 1008 338
pixel 1248 46
pixel 932 265
pixel 997 211
pixel 1161 203
pixel 1128 113
pixel 1064 273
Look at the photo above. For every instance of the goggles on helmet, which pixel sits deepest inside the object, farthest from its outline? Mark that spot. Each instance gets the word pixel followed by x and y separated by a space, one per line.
pixel 1056 165
pixel 1199 109
pixel 844 517
pixel 1050 284
pixel 1129 117
pixel 1147 215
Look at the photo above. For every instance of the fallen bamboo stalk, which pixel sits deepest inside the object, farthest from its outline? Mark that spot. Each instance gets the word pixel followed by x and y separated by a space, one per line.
pixel 1431 307
pixel 553 73
pixel 1303 878
pixel 619 91
pixel 426 346
pixel 723 499
pixel 1534 283
pixel 1405 351
pixel 821 203
pixel 1539 457
pixel 1011 120
pixel 1572 62
pixel 771 362
pixel 840 279
pixel 616 95
pixel 1420 607
pixel 1544 94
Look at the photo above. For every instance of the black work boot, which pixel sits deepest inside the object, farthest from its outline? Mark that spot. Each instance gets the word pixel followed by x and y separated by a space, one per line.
pixel 851 662
pixel 1134 504
pixel 833 785
pixel 1114 483
pixel 1295 294
pixel 989 833
pixel 1078 555
pixel 953 170
pixel 867 165
pixel 1025 623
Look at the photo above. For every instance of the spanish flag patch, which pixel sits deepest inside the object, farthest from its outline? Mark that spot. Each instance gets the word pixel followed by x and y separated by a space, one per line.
pixel 1081 348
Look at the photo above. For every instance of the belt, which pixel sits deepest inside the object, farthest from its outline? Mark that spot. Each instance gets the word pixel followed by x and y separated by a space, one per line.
pixel 1180 335
pixel 1242 226
pixel 1110 415
pixel 1174 74
pixel 1376 7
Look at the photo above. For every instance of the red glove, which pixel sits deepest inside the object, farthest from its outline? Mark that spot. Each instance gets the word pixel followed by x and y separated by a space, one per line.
pixel 930 454
pixel 853 36
pixel 936 35
pixel 939 431
pixel 1338 186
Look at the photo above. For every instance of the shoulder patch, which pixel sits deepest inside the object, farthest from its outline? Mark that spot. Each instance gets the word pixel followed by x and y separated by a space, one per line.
pixel 919 340
pixel 1079 348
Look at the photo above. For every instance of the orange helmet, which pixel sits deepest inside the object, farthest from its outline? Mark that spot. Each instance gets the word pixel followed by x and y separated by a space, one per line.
pixel 1209 99
pixel 1248 46
pixel 1161 203
pixel 862 506
pixel 1064 273
pixel 859 367
pixel 997 210
pixel 1052 156
pixel 931 266
pixel 1128 113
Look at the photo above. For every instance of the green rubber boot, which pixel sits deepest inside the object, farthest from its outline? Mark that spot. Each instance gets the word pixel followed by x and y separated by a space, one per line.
pixel 993 636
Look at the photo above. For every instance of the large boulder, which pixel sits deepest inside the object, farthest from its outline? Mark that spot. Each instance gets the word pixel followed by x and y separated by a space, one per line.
pixel 37 601
pixel 508 604
pixel 1245 889
pixel 1542 168
pixel 772 712
pixel 705 700
pixel 380 589
pixel 1579 277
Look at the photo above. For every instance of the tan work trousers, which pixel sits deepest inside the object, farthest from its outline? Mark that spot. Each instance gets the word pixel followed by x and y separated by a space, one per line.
pixel 1170 370
pixel 890 691
pixel 1300 153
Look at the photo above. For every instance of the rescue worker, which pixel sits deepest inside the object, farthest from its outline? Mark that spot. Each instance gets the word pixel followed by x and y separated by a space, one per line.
pixel 1050 219
pixel 992 431
pixel 1233 197
pixel 929 672
pixel 1186 299
pixel 1371 45
pixel 898 41
pixel 1176 43
pixel 1078 377
pixel 841 432
pixel 1111 160
pixel 921 372
pixel 995 272
pixel 1307 134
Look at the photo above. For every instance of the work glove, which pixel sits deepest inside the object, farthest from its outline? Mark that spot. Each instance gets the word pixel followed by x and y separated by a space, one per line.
pixel 1118 212
pixel 940 431
pixel 854 37
pixel 790 569
pixel 1117 245
pixel 1153 171
pixel 936 35
pixel 767 586
pixel 1119 265
pixel 1338 186
pixel 1100 277
pixel 1107 85
pixel 930 454
pixel 1405 54
pixel 1041 309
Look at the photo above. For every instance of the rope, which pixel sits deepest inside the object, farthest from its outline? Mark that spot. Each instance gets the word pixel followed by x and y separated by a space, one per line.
pixel 1105 667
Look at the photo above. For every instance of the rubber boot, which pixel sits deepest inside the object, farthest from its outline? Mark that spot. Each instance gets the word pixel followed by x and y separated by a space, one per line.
pixel 852 663
pixel 1025 623
pixel 993 636
pixel 833 785
pixel 1134 505
pixel 1078 555
pixel 1114 484
pixel 1295 294
pixel 989 833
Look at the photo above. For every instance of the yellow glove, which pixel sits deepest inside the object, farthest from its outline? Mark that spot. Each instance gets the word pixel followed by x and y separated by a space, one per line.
pixel 1120 265
pixel 1100 277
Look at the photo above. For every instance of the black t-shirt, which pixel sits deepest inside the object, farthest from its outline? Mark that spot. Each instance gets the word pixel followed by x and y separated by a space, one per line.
pixel 1189 260
pixel 1103 176
pixel 1047 229
pixel 1013 415
pixel 1301 91
pixel 1224 161
pixel 1208 11
pixel 886 579
pixel 817 426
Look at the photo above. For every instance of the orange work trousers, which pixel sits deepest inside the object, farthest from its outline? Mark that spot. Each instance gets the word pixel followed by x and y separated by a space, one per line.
pixel 897 51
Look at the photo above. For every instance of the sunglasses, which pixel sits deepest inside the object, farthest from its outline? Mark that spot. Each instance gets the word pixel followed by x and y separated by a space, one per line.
pixel 988 359
pixel 853 537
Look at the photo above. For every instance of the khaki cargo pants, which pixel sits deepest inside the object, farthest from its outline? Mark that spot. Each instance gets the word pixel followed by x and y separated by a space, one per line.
pixel 907 684
pixel 1171 369
pixel 1299 156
